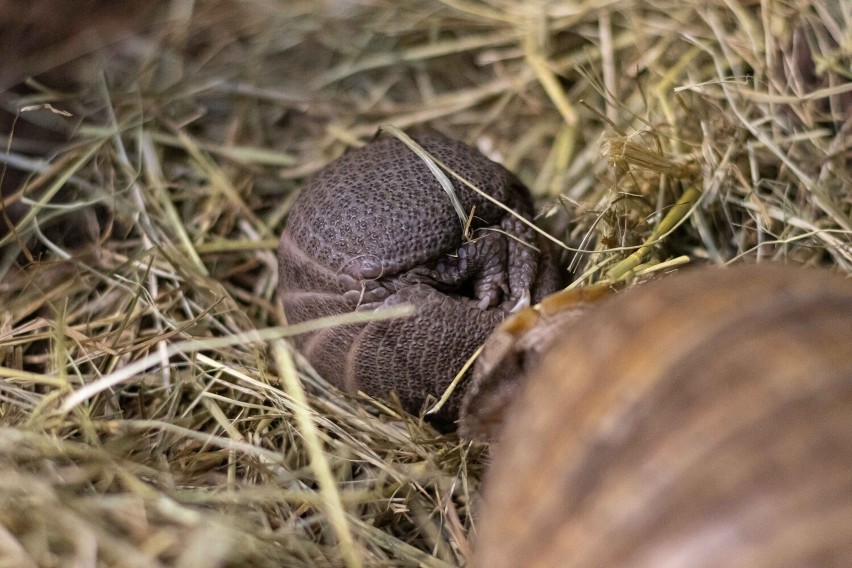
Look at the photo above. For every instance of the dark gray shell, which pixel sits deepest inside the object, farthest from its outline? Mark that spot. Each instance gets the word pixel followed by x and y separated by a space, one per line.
pixel 375 228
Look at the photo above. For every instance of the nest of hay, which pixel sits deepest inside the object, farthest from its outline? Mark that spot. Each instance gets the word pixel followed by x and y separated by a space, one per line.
pixel 151 410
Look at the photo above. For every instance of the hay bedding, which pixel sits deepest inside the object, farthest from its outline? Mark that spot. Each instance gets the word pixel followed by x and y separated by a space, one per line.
pixel 151 411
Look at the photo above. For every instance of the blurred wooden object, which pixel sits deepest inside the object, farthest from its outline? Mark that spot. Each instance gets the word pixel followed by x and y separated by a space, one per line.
pixel 699 420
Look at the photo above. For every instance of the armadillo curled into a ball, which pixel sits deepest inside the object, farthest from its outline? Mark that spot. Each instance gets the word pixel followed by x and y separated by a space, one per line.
pixel 701 420
pixel 375 228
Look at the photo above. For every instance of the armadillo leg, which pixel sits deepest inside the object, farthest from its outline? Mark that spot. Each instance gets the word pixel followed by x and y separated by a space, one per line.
pixel 476 269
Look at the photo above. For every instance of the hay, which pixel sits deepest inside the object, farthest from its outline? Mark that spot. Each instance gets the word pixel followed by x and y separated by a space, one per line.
pixel 149 411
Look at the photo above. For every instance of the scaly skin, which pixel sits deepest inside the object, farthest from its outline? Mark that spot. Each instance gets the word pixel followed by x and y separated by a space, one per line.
pixel 375 228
